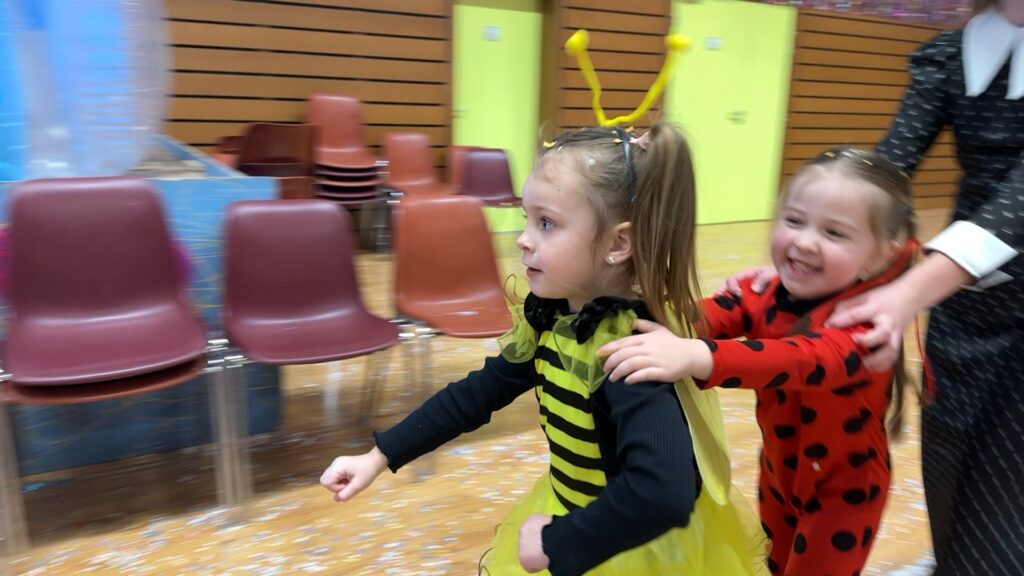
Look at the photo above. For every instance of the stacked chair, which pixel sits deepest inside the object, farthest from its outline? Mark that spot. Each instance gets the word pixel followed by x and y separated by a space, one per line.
pixel 97 311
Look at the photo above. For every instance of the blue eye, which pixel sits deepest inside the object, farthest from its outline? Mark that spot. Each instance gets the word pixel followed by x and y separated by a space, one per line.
pixel 546 223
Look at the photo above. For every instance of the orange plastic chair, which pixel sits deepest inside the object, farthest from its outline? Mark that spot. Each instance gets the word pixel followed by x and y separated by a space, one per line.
pixel 445 270
pixel 410 165
pixel 342 141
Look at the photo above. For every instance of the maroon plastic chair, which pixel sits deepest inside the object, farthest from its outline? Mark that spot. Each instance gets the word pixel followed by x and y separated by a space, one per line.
pixel 278 150
pixel 291 295
pixel 454 162
pixel 96 307
pixel 411 166
pixel 486 175
pixel 94 285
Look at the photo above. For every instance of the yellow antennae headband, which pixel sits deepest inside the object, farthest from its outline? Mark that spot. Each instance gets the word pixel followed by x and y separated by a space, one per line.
pixel 576 46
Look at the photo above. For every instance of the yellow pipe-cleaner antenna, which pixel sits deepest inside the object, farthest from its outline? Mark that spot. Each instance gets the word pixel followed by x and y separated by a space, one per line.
pixel 576 46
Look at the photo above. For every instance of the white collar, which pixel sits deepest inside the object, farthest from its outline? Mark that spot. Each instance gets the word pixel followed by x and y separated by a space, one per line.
pixel 989 39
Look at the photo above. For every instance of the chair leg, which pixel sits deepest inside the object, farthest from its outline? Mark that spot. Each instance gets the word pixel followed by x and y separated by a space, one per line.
pixel 370 393
pixel 13 527
pixel 230 427
pixel 424 335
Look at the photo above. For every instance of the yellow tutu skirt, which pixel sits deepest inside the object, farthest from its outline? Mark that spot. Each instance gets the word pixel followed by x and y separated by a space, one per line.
pixel 719 541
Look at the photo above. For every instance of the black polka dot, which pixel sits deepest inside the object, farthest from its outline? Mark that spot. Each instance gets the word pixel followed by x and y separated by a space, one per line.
pixel 748 323
pixel 773 566
pixel 866 539
pixel 810 334
pixel 791 343
pixel 817 377
pixel 755 345
pixel 800 543
pixel 725 302
pixel 807 415
pixel 857 459
pixel 784 431
pixel 777 495
pixel 790 462
pixel 711 344
pixel 768 465
pixel 844 540
pixel 874 491
pixel 850 388
pixel 796 501
pixel 852 363
pixel 770 313
pixel 856 573
pixel 813 505
pixel 780 395
pixel 816 451
pixel 855 424
pixel 790 520
pixel 732 382
pixel 778 380
pixel 767 530
pixel 855 496
pixel 760 494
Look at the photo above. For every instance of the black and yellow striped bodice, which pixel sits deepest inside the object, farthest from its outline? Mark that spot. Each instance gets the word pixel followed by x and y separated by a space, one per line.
pixel 567 417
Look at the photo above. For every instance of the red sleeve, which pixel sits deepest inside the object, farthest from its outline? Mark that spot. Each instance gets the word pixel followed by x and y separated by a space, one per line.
pixel 827 358
pixel 728 315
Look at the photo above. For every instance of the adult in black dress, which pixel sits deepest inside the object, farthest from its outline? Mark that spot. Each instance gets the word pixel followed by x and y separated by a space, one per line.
pixel 973 433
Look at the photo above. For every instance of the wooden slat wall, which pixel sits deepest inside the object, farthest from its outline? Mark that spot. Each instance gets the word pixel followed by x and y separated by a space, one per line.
pixel 241 61
pixel 627 47
pixel 849 74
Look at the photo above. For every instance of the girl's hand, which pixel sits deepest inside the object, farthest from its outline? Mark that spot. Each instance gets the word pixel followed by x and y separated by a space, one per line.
pixel 349 475
pixel 888 311
pixel 761 275
pixel 531 548
pixel 656 355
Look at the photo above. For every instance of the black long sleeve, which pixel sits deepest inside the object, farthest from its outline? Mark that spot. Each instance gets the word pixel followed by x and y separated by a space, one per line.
pixel 922 113
pixel 653 491
pixel 460 407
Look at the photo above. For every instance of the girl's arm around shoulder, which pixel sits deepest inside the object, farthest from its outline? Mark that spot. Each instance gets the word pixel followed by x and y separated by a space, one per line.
pixel 820 358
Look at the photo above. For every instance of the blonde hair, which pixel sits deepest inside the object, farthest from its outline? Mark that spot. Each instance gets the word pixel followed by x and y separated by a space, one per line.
pixel 892 218
pixel 652 187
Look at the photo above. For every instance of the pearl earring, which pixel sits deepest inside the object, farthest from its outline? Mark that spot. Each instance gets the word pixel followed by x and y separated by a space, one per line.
pixel 611 260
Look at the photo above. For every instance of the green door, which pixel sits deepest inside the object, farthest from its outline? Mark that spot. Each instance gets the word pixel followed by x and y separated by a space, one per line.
pixel 730 95
pixel 496 86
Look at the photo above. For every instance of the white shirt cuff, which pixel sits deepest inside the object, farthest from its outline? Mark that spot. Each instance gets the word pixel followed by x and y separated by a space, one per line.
pixel 973 248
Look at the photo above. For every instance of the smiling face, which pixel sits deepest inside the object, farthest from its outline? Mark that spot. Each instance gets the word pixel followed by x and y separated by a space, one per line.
pixel 564 253
pixel 823 238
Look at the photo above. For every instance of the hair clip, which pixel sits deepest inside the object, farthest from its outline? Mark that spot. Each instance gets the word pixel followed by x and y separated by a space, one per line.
pixel 548 145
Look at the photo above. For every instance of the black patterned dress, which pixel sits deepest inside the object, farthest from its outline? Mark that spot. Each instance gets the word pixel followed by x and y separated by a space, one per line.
pixel 973 435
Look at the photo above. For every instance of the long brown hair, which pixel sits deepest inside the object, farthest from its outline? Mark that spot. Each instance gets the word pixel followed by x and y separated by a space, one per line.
pixel 981 5
pixel 892 218
pixel 656 193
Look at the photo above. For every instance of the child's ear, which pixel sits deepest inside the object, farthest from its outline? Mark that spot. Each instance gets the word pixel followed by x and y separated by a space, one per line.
pixel 620 247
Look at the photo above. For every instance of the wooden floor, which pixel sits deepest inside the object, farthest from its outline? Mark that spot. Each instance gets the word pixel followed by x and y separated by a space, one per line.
pixel 156 515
